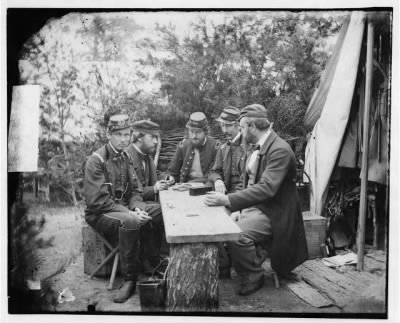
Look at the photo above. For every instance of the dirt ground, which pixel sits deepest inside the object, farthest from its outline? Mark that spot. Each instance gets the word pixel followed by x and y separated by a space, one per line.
pixel 65 258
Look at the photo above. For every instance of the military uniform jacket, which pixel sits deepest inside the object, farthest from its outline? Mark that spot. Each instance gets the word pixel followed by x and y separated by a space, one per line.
pixel 274 193
pixel 147 183
pixel 222 168
pixel 181 164
pixel 101 171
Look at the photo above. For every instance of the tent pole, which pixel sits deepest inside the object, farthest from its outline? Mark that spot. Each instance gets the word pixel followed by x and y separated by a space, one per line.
pixel 364 165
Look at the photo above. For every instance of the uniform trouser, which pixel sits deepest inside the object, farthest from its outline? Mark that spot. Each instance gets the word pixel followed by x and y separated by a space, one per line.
pixel 123 228
pixel 256 228
pixel 152 235
pixel 223 256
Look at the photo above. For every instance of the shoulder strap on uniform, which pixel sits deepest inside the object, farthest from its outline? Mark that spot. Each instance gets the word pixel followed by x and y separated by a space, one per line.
pixel 98 155
pixel 102 153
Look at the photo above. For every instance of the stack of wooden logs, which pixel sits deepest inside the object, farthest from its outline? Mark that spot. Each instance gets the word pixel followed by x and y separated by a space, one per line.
pixel 169 141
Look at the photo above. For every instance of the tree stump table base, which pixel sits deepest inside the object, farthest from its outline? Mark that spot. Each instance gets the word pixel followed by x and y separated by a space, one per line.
pixel 192 278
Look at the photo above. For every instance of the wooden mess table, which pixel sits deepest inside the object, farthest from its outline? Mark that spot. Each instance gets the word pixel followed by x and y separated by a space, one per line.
pixel 193 231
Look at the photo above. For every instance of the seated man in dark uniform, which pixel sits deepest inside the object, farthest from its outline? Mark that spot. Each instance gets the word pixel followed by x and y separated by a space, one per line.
pixel 111 190
pixel 195 156
pixel 228 168
pixel 144 142
pixel 227 171
pixel 270 209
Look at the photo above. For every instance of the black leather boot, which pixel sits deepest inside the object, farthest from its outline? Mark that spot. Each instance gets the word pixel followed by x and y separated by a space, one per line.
pixel 146 249
pixel 153 235
pixel 244 261
pixel 125 292
pixel 129 251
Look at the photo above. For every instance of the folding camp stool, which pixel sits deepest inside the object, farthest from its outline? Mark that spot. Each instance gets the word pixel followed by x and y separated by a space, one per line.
pixel 263 254
pixel 97 247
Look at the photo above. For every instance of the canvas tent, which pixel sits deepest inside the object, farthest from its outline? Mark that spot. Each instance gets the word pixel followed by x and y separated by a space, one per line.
pixel 335 138
pixel 350 116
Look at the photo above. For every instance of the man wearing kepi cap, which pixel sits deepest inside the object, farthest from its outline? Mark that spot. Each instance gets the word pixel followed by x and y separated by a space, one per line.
pixel 111 190
pixel 270 209
pixel 145 137
pixel 195 156
pixel 229 162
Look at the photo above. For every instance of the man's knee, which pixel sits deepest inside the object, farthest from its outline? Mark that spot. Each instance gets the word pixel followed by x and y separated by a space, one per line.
pixel 128 221
pixel 130 224
pixel 243 241
pixel 154 210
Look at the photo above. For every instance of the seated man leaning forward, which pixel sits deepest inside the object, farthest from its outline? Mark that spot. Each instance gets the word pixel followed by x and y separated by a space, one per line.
pixel 270 209
pixel 226 174
pixel 144 142
pixel 195 156
pixel 111 190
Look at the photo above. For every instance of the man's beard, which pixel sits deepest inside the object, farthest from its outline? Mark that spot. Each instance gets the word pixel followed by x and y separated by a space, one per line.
pixel 150 150
pixel 196 144
pixel 250 139
pixel 228 135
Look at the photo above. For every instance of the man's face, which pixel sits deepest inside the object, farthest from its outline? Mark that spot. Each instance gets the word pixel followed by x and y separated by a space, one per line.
pixel 119 139
pixel 197 136
pixel 247 131
pixel 148 143
pixel 230 129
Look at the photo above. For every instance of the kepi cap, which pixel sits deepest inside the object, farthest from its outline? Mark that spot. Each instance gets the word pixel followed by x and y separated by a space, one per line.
pixel 118 122
pixel 254 111
pixel 147 127
pixel 229 115
pixel 197 120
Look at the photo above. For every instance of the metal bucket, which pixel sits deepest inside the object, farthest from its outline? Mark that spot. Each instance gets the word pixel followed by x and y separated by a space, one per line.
pixel 152 295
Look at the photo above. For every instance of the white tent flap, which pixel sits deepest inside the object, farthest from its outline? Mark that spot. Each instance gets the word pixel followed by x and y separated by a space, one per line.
pixel 325 142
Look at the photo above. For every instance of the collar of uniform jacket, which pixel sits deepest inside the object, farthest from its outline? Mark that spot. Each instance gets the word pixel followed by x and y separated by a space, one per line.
pixel 141 153
pixel 270 139
pixel 256 150
pixel 114 154
pixel 264 138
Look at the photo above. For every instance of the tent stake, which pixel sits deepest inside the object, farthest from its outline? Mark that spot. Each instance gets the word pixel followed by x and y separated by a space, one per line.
pixel 364 164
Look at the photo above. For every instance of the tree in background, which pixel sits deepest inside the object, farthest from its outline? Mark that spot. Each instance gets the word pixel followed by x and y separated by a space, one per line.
pixel 85 75
pixel 113 71
pixel 57 76
pixel 273 58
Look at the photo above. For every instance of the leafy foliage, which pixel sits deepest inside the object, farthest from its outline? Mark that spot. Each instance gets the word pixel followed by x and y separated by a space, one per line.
pixel 245 60
pixel 24 260
pixel 90 66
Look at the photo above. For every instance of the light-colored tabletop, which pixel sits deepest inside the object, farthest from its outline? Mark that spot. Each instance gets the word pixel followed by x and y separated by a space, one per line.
pixel 188 220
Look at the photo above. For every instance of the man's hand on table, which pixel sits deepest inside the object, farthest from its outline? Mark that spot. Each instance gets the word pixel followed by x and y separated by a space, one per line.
pixel 160 186
pixel 170 180
pixel 235 216
pixel 216 199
